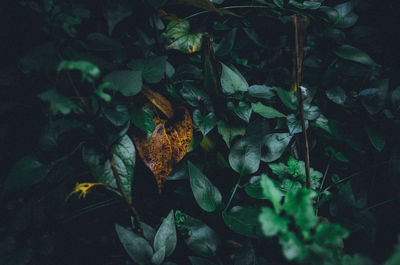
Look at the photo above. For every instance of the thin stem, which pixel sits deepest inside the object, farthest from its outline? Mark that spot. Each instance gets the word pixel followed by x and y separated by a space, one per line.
pixel 127 200
pixel 378 204
pixel 233 193
pixel 322 183
pixel 227 7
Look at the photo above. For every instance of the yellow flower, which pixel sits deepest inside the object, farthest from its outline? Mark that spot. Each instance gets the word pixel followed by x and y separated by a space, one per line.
pixel 83 188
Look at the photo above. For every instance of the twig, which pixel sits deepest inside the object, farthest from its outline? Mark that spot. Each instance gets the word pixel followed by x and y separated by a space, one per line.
pixel 127 200
pixel 233 193
pixel 300 25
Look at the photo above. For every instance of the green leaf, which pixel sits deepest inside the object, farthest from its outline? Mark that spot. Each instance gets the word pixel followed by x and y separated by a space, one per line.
pixel 158 256
pixel 245 155
pixel 166 235
pixel 123 156
pixel 396 98
pixel 58 103
pixel 274 145
pixel 115 12
pixel 142 118
pixel 225 46
pixel 206 194
pixel 347 18
pixel 254 189
pixel 331 13
pixel 288 98
pixel 377 139
pixel 295 167
pixel 152 68
pixel 294 125
pixel 89 71
pixel 199 261
pixel 243 220
pixel 232 82
pixel 353 54
pixel 243 110
pixel 329 234
pixel 117 115
pixel 26 172
pixel 337 95
pixel 229 132
pixel 266 111
pixel 278 3
pixel 299 204
pixel 200 237
pixel 311 112
pixel 129 83
pixel 206 123
pixel 279 169
pixel 271 223
pixel 261 91
pixel 271 192
pixel 179 38
pixel 194 96
pixel 137 247
pixel 290 185
pixel 292 247
pixel 306 4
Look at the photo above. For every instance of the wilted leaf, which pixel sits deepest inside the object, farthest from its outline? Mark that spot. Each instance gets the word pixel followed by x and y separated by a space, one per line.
pixel 159 101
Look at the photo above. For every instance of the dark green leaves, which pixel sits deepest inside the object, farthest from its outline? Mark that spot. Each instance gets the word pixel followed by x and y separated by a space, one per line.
pixel 243 220
pixel 115 12
pixel 266 111
pixel 261 91
pixel 242 110
pixel 166 235
pixel 129 83
pixel 245 155
pixel 137 247
pixel 337 95
pixel 26 172
pixel 351 53
pixel 152 68
pixel 231 81
pixel 274 145
pixel 143 119
pixel 229 132
pixel 205 123
pixel 376 137
pixel 330 234
pixel 206 194
pixel 226 44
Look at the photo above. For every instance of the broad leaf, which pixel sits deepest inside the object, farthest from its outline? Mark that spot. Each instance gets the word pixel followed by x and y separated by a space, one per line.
pixel 376 137
pixel 353 54
pixel 58 103
pixel 229 132
pixel 137 247
pixel 129 83
pixel 329 234
pixel 254 189
pixel 205 123
pixel 271 192
pixel 261 91
pixel 245 155
pixel 337 95
pixel 292 247
pixel 294 125
pixel 287 98
pixel 299 205
pixel 166 235
pixel 206 194
pixel 274 145
pixel 242 110
pixel 194 96
pixel 179 38
pixel 26 172
pixel 89 71
pixel 152 68
pixel 158 256
pixel 115 12
pixel 266 111
pixel 226 44
pixel 232 82
pixel 142 118
pixel 243 220
pixel 117 115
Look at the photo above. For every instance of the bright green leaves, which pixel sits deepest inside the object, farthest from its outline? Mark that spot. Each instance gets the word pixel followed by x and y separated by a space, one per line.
pixel 266 111
pixel 204 123
pixel 292 247
pixel 129 83
pixel 123 159
pixel 271 192
pixel 138 249
pixel 206 194
pixel 89 71
pixel 351 53
pixel 179 37
pixel 26 172
pixel 245 155
pixel 58 102
pixel 299 205
pixel 152 68
pixel 243 220
pixel 329 234
pixel 166 235
pixel 232 81
pixel 271 223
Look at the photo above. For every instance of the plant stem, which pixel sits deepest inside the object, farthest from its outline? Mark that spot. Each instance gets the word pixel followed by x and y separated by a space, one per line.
pixel 127 200
pixel 322 183
pixel 233 193
pixel 378 204
pixel 300 25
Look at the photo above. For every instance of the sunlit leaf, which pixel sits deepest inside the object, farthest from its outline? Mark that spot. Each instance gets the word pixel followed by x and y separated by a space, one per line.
pixel 179 38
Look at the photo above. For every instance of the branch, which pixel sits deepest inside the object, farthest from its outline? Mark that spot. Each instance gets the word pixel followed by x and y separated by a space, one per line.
pixel 127 200
pixel 300 26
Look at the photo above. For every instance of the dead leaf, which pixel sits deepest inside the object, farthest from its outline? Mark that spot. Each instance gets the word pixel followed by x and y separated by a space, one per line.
pixel 156 153
pixel 159 101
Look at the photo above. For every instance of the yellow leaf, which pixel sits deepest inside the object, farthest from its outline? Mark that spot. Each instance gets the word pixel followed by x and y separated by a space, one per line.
pixel 83 188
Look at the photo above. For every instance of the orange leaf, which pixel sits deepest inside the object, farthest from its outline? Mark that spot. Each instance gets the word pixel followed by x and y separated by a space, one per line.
pixel 159 101
pixel 156 153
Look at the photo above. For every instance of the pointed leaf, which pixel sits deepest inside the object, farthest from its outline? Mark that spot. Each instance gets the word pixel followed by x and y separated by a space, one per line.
pixel 243 220
pixel 206 123
pixel 115 12
pixel 353 54
pixel 231 82
pixel 377 139
pixel 129 83
pixel 274 145
pixel 229 132
pixel 245 155
pixel 261 91
pixel 271 192
pixel 243 110
pixel 166 235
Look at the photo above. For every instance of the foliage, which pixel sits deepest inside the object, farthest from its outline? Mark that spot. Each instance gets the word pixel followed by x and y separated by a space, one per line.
pixel 168 132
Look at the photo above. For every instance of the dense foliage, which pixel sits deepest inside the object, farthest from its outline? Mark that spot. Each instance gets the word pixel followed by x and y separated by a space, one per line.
pixel 170 132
